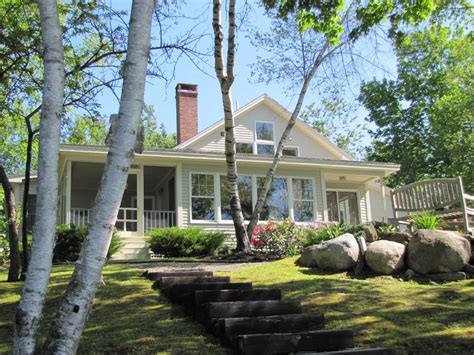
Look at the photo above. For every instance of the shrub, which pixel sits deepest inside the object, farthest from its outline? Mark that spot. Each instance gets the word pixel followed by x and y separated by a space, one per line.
pixel 69 241
pixel 320 234
pixel 278 238
pixel 426 220
pixel 384 228
pixel 4 249
pixel 184 242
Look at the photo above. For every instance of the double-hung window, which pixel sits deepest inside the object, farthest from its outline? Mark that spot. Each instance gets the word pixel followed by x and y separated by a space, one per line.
pixel 265 138
pixel 303 200
pixel 202 196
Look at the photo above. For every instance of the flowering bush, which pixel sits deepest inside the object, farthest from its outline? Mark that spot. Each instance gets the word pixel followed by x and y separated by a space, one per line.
pixel 278 238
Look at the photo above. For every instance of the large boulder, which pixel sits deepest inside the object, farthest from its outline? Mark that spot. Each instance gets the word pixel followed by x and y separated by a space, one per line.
pixel 399 237
pixel 306 258
pixel 338 254
pixel 434 251
pixel 370 232
pixel 385 257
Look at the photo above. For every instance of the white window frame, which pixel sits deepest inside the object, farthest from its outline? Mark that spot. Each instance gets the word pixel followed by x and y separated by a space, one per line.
pixel 262 141
pixel 291 147
pixel 216 198
pixel 337 197
pixel 293 199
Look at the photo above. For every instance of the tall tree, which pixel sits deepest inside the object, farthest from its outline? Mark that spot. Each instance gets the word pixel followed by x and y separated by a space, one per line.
pixel 34 291
pixel 13 245
pixel 424 118
pixel 337 24
pixel 77 301
pixel 226 79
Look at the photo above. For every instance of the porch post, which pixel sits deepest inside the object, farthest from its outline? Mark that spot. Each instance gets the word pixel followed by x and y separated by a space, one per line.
pixel 325 202
pixel 68 191
pixel 141 202
pixel 368 204
pixel 382 188
pixel 178 185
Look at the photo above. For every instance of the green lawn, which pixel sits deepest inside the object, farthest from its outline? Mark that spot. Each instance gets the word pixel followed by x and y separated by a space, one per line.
pixel 129 316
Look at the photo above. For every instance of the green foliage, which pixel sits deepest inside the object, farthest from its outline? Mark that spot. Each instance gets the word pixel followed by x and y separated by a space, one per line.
pixel 384 228
pixel 319 234
pixel 156 137
pixel 184 242
pixel 335 119
pixel 4 249
pixel 69 240
pixel 278 238
pixel 424 118
pixel 426 220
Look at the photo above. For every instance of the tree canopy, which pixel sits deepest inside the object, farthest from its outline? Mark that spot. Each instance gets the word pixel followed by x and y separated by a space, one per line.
pixel 424 118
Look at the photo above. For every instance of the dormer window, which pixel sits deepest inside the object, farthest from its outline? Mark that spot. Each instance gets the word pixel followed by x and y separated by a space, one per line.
pixel 265 138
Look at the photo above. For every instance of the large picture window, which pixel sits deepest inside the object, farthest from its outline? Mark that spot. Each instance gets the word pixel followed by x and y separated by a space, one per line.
pixel 276 205
pixel 264 131
pixel 202 196
pixel 343 207
pixel 303 201
pixel 245 193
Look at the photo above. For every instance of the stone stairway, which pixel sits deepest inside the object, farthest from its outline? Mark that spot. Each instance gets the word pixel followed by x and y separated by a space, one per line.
pixel 253 321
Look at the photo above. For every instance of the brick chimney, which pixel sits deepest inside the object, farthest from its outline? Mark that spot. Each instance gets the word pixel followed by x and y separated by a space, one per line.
pixel 186 111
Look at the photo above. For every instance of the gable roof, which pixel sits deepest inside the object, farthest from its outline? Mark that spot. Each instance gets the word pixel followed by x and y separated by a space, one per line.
pixel 282 112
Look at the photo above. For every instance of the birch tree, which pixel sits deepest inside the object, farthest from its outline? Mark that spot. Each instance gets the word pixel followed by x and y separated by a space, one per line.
pixel 29 310
pixel 226 79
pixel 339 24
pixel 77 301
pixel 14 269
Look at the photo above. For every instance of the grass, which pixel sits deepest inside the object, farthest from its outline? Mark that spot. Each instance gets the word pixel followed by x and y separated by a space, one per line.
pixel 129 317
pixel 408 317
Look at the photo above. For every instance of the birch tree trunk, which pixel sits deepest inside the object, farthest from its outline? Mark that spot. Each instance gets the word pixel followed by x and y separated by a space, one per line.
pixel 281 144
pixel 14 269
pixel 34 291
pixel 226 81
pixel 77 301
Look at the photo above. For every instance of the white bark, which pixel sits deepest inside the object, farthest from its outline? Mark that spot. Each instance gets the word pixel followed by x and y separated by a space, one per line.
pixel 226 80
pixel 34 291
pixel 77 302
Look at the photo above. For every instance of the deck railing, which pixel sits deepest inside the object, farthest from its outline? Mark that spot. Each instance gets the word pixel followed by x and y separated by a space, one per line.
pixel 127 219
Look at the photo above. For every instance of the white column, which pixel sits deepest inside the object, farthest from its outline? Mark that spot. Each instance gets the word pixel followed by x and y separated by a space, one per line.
pixel 68 191
pixel 178 185
pixel 325 202
pixel 382 191
pixel 368 204
pixel 140 201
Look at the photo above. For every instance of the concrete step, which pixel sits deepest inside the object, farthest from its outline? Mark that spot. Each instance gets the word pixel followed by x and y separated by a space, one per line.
pixel 201 297
pixel 318 340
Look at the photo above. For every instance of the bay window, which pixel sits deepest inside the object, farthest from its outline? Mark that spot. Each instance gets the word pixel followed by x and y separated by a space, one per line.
pixel 202 196
pixel 343 207
pixel 244 184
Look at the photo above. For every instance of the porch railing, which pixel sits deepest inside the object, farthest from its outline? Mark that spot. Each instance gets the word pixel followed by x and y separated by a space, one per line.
pixel 127 219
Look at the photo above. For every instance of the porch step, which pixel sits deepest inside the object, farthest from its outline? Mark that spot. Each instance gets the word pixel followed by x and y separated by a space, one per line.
pixel 318 340
pixel 230 327
pixel 169 281
pixel 201 297
pixel 156 275
pixel 248 309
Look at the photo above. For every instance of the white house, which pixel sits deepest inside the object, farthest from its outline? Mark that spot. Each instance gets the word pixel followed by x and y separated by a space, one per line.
pixel 185 186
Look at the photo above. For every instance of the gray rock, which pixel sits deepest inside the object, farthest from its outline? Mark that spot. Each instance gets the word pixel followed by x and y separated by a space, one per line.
pixel 385 257
pixel 435 251
pixel 410 273
pixel 306 258
pixel 447 276
pixel 370 232
pixel 469 269
pixel 338 254
pixel 398 237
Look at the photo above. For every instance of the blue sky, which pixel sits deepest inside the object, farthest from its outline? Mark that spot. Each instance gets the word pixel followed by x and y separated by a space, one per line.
pixel 162 96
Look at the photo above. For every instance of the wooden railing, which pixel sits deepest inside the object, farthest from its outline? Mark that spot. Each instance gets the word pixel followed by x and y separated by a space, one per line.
pixel 159 219
pixel 127 219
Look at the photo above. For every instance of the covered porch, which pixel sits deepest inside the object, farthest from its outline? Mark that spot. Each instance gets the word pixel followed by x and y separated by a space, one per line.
pixel 149 200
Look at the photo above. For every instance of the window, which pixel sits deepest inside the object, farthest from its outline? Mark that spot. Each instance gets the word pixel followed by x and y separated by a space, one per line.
pixel 290 152
pixel 245 192
pixel 246 148
pixel 202 197
pixel 303 202
pixel 276 205
pixel 343 206
pixel 264 131
pixel 265 149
